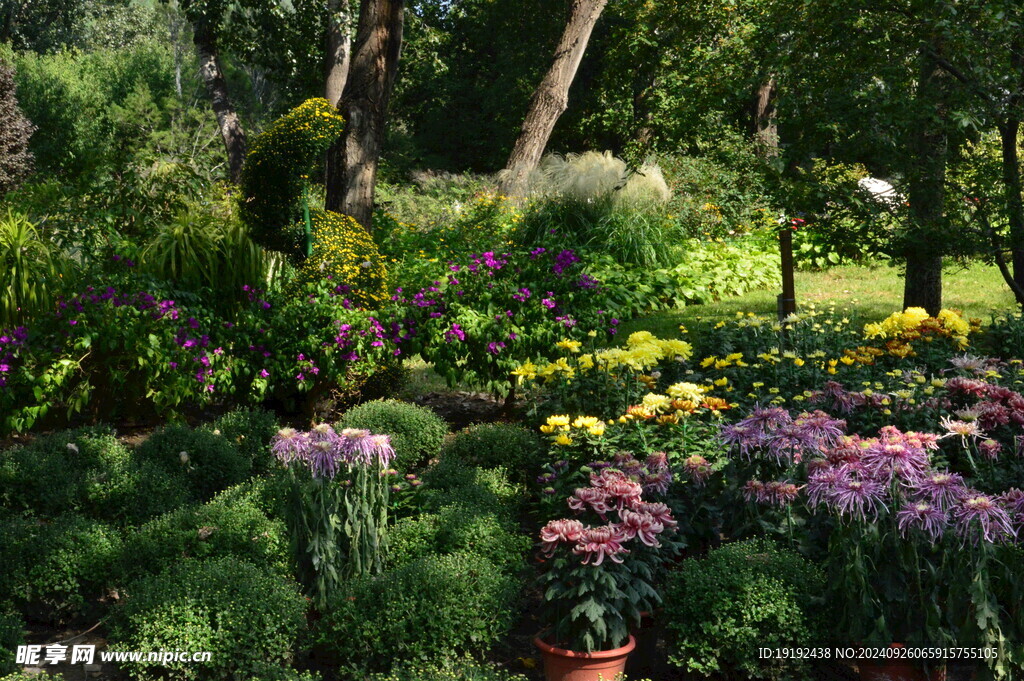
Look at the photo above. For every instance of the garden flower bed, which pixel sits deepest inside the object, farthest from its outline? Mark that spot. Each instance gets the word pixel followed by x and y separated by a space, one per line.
pixel 753 486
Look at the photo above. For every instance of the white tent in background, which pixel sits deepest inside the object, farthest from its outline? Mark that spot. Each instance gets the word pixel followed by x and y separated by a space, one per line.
pixel 879 189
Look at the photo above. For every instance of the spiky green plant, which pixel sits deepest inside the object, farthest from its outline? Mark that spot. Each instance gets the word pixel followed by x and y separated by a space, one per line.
pixel 30 270
pixel 207 246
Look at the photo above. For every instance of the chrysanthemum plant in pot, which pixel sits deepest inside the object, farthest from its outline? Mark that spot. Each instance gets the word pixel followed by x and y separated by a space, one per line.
pixel 598 577
pixel 912 548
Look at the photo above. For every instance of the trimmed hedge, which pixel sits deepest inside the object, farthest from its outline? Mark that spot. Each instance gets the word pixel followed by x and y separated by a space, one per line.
pixel 416 432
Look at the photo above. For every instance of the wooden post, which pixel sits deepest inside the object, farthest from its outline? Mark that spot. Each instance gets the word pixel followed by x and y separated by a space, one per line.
pixel 787 299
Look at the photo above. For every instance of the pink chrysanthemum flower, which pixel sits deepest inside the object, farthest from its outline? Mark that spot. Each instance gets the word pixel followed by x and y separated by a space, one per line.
pixel 289 445
pixel 979 517
pixel 597 543
pixel 560 531
pixel 641 525
pixel 594 497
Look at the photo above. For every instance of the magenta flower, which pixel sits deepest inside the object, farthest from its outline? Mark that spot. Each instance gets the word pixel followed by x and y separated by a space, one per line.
pixel 698 468
pixel 559 531
pixel 597 543
pixel 641 525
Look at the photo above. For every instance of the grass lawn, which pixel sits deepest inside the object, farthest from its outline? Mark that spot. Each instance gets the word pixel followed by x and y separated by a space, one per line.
pixel 864 294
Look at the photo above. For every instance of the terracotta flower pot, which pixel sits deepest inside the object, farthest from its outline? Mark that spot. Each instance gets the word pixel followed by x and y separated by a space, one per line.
pixel 569 665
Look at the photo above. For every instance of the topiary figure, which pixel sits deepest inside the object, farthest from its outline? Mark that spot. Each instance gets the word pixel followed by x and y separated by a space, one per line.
pixel 275 181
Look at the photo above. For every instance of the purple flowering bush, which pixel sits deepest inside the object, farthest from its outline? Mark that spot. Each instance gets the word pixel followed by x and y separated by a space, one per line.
pixel 489 311
pixel 130 352
pixel 911 546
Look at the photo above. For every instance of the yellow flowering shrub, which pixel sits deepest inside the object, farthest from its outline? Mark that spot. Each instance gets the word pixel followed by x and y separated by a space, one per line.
pixel 915 323
pixel 346 254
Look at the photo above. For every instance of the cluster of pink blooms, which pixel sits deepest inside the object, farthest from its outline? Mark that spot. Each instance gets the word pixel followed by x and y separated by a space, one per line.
pixel 324 451
pixel 611 492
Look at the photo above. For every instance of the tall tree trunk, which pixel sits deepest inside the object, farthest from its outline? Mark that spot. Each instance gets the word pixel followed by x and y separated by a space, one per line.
pixel 230 125
pixel 352 161
pixel 551 98
pixel 1009 130
pixel 766 129
pixel 339 49
pixel 922 286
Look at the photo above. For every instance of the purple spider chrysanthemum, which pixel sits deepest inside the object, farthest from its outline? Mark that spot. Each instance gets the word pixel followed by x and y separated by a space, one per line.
pixel 289 445
pixel 942 488
pixel 821 427
pixel 978 516
pixel 323 459
pixel 787 443
pixel 857 497
pixel 924 516
pixel 821 485
pixel 743 438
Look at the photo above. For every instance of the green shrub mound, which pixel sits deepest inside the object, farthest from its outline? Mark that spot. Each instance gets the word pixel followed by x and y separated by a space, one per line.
pixel 250 431
pixel 450 670
pixel 87 471
pixel 12 635
pixel 209 462
pixel 459 529
pixel 490 445
pixel 742 596
pixel 416 432
pixel 430 609
pixel 56 571
pixel 247 619
pixel 223 527
pixel 453 481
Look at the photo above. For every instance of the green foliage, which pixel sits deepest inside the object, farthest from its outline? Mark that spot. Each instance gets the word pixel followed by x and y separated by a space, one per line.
pixel 433 197
pixel 459 528
pixel 489 445
pixel 715 270
pixel 223 527
pixel 448 670
pixel 71 97
pixel 721 191
pixel 416 432
pixel 31 270
pixel 208 462
pixel 55 571
pixel 452 481
pixel 15 131
pixel 430 609
pixel 12 634
pixel 719 609
pixel 249 430
pixel 205 245
pixel 597 203
pixel 247 619
pixel 88 471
